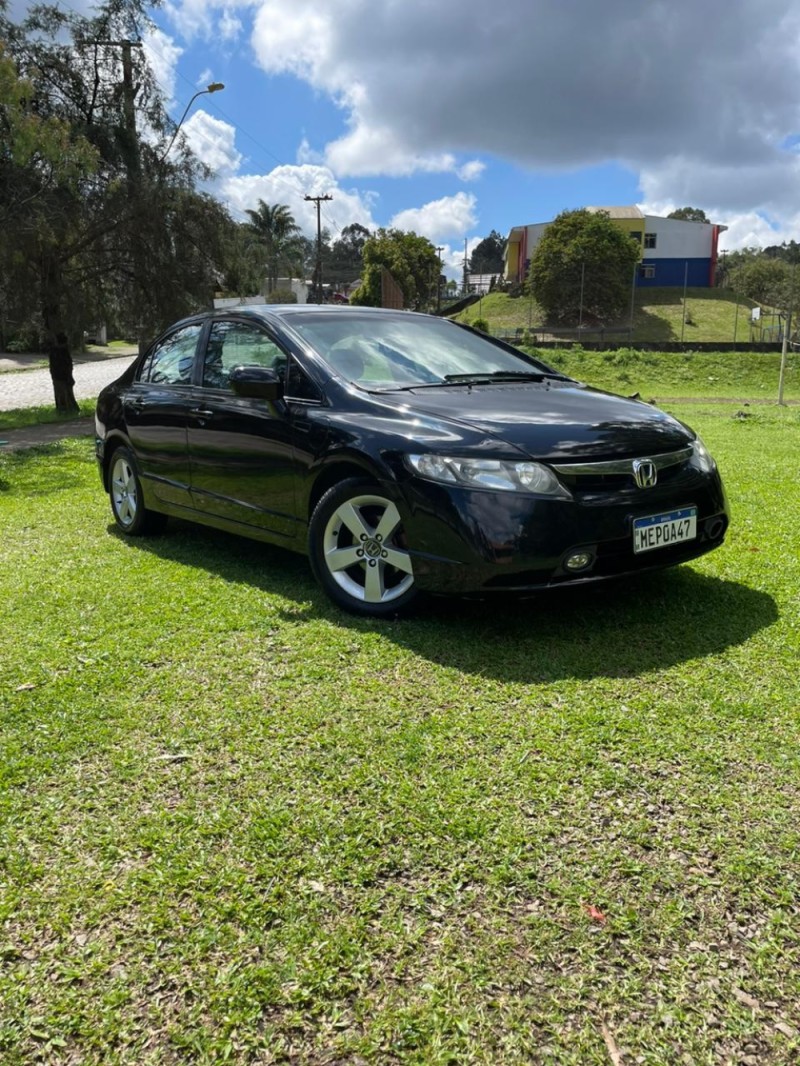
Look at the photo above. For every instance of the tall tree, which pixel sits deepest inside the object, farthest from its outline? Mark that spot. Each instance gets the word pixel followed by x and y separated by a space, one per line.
pixel 345 262
pixel 583 266
pixel 126 235
pixel 412 261
pixel 763 279
pixel 488 257
pixel 276 233
pixel 689 214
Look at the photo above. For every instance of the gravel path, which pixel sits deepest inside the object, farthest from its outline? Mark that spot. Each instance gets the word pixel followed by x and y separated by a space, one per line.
pixel 32 388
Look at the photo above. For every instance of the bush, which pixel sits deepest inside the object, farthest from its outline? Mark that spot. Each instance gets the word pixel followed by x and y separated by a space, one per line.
pixel 282 296
pixel 481 324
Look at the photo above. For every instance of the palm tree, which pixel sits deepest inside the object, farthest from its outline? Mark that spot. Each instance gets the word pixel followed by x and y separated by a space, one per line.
pixel 277 234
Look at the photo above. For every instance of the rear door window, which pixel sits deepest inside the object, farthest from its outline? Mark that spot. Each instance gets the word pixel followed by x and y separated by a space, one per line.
pixel 170 362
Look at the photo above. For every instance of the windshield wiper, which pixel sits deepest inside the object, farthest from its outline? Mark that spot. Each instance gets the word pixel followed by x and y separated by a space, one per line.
pixel 476 378
pixel 495 375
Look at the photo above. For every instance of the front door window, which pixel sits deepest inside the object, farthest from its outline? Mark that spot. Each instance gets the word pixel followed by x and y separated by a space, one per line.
pixel 232 344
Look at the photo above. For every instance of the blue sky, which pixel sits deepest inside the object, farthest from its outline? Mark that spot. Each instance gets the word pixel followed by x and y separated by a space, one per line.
pixel 454 120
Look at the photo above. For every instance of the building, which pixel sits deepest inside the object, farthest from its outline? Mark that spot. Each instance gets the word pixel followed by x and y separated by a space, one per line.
pixel 674 252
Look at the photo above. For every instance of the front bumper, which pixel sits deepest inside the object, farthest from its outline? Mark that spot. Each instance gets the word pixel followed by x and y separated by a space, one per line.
pixel 470 541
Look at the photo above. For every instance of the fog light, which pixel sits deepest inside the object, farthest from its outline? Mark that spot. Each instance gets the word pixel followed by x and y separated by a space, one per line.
pixel 578 561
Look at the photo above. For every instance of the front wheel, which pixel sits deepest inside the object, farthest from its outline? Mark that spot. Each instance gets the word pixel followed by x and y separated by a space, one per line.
pixel 358 550
pixel 127 500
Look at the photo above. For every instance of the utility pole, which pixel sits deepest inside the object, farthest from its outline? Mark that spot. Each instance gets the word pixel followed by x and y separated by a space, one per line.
pixel 465 267
pixel 133 166
pixel 318 267
pixel 785 344
pixel 129 91
pixel 439 250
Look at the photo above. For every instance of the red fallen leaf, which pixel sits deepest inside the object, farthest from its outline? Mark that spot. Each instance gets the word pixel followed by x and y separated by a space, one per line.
pixel 594 913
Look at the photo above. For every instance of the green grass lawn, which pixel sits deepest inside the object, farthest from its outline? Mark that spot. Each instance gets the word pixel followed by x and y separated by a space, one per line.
pixel 742 376
pixel 46 414
pixel 240 825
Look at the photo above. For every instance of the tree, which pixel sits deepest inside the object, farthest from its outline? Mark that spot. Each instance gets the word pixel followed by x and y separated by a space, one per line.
pixel 689 214
pixel 113 230
pixel 582 266
pixel 345 260
pixel 412 261
pixel 762 279
pixel 275 232
pixel 488 257
pixel 38 153
pixel 789 252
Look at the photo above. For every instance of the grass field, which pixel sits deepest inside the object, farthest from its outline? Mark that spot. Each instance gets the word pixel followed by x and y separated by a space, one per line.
pixel 240 826
pixel 711 315
pixel 743 376
pixel 20 417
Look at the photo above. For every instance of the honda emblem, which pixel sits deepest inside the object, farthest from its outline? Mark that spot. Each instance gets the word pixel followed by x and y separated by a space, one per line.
pixel 645 473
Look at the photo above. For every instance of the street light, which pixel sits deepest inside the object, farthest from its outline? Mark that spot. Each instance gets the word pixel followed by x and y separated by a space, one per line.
pixel 214 87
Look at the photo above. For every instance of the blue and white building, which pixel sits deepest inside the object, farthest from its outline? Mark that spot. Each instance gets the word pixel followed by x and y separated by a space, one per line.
pixel 674 252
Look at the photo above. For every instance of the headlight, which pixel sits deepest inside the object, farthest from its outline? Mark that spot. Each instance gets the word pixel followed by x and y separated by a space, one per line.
pixel 495 474
pixel 703 456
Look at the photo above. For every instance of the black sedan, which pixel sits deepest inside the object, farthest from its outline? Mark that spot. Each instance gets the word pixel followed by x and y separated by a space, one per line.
pixel 403 453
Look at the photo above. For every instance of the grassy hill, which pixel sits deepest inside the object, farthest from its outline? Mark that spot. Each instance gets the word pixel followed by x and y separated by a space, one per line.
pixel 711 315
pixel 736 376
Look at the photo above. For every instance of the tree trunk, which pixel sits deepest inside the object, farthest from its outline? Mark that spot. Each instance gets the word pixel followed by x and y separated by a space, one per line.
pixel 60 361
pixel 59 355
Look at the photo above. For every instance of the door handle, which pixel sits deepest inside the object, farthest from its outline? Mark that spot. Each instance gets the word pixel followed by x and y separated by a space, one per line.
pixel 201 412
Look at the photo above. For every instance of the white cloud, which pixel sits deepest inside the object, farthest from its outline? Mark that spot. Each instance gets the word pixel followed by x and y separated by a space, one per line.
pixel 290 185
pixel 230 26
pixel 701 106
pixel 162 53
pixel 191 18
pixel 377 150
pixel 449 217
pixel 472 170
pixel 751 230
pixel 213 142
pixel 306 154
pixel 643 84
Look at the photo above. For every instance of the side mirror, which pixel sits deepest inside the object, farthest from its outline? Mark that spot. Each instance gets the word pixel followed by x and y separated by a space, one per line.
pixel 257 382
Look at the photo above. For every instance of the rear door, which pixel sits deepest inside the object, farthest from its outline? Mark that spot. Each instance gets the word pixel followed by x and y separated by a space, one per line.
pixel 242 460
pixel 156 410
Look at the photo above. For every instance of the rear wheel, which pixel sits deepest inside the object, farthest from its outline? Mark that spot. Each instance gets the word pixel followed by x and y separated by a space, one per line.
pixel 127 499
pixel 358 550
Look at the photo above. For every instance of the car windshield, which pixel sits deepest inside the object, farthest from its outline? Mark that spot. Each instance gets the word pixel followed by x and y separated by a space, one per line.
pixel 409 351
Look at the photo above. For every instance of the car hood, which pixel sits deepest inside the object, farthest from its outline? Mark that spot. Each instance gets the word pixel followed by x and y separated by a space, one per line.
pixel 555 420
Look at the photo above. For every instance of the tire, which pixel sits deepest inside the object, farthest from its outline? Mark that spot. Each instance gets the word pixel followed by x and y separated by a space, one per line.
pixel 127 498
pixel 358 550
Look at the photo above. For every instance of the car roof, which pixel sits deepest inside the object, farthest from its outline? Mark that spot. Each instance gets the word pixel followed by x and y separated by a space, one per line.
pixel 288 310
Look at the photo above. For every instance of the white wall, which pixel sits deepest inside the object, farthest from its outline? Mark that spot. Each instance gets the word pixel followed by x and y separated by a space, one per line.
pixel 678 239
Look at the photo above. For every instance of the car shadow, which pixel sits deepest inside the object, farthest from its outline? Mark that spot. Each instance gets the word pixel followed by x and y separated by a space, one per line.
pixel 617 629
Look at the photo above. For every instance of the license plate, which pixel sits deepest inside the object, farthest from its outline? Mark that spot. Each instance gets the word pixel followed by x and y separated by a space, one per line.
pixel 662 530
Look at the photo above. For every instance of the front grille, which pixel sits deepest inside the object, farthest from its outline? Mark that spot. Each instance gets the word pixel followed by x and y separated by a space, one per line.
pixel 616 475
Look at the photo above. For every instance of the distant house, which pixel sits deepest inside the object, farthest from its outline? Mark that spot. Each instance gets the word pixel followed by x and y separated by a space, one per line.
pixel 295 285
pixel 673 251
